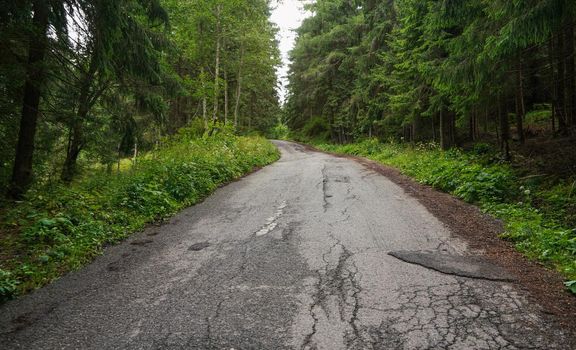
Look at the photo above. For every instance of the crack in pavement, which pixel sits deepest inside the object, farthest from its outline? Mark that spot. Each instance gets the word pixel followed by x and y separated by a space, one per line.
pixel 209 321
pixel 467 313
pixel 455 315
pixel 356 298
pixel 339 281
pixel 325 194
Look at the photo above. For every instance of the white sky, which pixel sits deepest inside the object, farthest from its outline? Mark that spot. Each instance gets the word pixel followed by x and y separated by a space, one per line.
pixel 288 15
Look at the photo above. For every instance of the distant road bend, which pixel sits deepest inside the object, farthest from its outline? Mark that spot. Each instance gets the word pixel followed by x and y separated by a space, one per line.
pixel 312 252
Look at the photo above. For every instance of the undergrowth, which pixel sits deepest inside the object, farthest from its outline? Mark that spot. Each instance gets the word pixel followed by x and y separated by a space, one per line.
pixel 59 228
pixel 538 215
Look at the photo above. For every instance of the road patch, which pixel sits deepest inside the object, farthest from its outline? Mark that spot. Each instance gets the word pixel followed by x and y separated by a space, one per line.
pixel 459 265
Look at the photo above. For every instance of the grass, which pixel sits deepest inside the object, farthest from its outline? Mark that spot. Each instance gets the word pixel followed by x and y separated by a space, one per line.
pixel 59 228
pixel 539 215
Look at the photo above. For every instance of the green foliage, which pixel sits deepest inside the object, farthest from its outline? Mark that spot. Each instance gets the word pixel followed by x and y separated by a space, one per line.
pixel 397 67
pixel 280 131
pixel 536 218
pixel 8 285
pixel 571 285
pixel 453 171
pixel 540 115
pixel 58 228
pixel 537 236
pixel 316 127
pixel 559 201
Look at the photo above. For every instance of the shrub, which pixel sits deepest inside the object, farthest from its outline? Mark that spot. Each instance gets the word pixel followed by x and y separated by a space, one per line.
pixel 280 132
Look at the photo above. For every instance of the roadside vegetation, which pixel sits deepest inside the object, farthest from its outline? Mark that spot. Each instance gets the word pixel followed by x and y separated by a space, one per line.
pixel 539 214
pixel 57 227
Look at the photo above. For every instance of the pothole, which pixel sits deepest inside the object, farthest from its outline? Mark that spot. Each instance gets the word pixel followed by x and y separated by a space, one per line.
pixel 199 246
pixel 141 242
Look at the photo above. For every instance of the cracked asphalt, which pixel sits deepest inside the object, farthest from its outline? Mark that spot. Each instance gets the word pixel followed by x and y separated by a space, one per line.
pixel 295 256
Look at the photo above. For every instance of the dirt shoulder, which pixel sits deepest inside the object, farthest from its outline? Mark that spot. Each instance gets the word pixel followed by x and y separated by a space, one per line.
pixel 544 286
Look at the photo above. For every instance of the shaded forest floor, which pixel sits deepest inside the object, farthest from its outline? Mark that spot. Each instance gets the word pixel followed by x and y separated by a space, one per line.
pixel 547 157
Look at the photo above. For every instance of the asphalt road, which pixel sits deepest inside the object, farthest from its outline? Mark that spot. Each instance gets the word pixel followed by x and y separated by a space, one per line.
pixel 294 256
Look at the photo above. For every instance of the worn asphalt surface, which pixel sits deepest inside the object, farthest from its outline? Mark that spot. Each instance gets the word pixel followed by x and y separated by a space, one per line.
pixel 294 256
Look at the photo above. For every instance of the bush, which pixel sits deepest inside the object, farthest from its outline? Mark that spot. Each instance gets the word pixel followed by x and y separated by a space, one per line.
pixel 59 228
pixel 280 132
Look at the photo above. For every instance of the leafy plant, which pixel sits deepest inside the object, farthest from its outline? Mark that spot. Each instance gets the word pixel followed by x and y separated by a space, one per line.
pixel 8 285
pixel 280 131
pixel 571 285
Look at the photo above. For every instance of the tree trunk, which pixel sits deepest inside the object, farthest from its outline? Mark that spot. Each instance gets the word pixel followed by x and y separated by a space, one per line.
pixel 417 127
pixel 504 130
pixel 35 75
pixel 453 128
pixel 570 75
pixel 442 136
pixel 553 84
pixel 225 97
pixel 119 155
pixel 204 104
pixel 75 144
pixel 553 120
pixel 519 104
pixel 176 119
pixel 217 64
pixel 450 128
pixel 445 126
pixel 473 126
pixel 135 155
pixel 433 128
pixel 485 121
pixel 406 132
pixel 560 86
pixel 76 138
pixel 238 87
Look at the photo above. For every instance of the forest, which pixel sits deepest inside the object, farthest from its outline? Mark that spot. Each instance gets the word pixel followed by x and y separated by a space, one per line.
pixel 476 98
pixel 445 71
pixel 94 82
